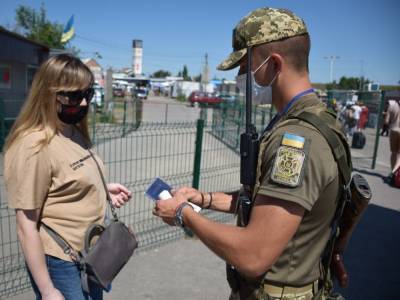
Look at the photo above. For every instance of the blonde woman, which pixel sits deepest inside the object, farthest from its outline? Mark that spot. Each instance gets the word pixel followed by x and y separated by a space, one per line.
pixel 51 177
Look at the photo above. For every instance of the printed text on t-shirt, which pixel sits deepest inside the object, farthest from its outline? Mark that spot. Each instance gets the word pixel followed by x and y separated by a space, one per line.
pixel 79 163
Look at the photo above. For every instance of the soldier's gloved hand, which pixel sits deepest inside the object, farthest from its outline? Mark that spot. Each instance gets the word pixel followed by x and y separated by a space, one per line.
pixel 191 194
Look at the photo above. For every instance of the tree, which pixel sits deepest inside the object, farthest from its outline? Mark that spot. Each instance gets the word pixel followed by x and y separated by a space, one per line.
pixel 197 78
pixel 348 83
pixel 185 74
pixel 161 74
pixel 37 27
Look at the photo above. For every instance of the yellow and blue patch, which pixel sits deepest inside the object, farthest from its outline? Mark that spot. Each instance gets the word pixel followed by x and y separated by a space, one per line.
pixel 289 161
pixel 293 140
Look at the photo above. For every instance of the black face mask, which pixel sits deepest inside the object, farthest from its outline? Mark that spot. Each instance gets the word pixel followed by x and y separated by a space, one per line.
pixel 72 114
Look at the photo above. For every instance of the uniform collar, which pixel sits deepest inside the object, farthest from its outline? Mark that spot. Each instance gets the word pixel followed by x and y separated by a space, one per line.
pixel 294 104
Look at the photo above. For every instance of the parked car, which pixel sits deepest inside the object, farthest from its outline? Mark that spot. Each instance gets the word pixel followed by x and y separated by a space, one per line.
pixel 118 92
pixel 98 97
pixel 228 98
pixel 140 93
pixel 204 98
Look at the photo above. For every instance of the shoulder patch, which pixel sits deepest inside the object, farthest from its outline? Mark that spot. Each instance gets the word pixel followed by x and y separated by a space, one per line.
pixel 289 160
pixel 293 140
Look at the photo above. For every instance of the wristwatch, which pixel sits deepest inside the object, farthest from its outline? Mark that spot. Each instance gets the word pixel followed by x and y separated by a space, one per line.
pixel 179 215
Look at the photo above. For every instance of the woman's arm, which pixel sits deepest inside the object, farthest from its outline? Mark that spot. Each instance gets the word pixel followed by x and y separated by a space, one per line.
pixel 34 255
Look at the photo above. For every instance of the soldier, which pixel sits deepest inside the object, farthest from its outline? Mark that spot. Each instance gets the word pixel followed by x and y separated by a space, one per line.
pixel 277 254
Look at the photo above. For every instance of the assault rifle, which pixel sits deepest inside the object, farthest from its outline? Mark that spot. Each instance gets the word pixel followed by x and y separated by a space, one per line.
pixel 249 145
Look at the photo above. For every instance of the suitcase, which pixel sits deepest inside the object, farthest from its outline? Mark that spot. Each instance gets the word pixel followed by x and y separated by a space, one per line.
pixel 396 178
pixel 358 141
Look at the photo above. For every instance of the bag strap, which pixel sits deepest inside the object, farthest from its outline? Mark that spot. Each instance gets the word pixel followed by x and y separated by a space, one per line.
pixel 67 249
pixel 338 148
pixel 115 216
pixel 342 155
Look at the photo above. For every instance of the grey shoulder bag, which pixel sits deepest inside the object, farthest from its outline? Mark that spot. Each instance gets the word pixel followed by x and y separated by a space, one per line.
pixel 102 260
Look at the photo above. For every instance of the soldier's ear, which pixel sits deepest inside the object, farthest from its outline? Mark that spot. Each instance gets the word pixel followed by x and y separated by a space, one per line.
pixel 276 62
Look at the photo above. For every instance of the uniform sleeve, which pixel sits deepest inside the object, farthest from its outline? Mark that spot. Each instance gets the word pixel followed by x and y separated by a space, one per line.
pixel 318 168
pixel 27 174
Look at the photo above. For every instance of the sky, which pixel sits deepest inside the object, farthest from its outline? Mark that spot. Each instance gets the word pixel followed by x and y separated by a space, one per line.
pixel 364 34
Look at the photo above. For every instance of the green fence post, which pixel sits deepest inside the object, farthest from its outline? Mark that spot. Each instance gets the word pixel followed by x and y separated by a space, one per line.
pixel 197 154
pixel 124 119
pixel 378 127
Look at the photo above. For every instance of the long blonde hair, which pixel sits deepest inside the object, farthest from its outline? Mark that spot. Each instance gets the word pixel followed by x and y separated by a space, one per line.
pixel 39 113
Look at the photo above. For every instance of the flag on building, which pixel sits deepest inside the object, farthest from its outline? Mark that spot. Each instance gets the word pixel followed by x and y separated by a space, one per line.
pixel 69 30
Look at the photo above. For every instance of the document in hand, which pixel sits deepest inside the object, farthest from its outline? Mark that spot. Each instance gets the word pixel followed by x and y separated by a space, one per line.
pixel 160 190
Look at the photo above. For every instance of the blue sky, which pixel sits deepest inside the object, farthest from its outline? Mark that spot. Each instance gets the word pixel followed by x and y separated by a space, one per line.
pixel 364 34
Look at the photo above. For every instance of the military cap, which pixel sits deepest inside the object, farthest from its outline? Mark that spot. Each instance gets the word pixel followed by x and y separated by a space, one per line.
pixel 261 26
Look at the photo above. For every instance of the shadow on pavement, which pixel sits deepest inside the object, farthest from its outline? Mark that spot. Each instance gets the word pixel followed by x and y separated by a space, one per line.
pixel 368 172
pixel 372 256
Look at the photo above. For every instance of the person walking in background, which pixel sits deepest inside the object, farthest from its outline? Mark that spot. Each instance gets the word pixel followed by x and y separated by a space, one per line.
pixel 392 119
pixel 362 123
pixel 385 126
pixel 356 115
pixel 349 121
pixel 51 177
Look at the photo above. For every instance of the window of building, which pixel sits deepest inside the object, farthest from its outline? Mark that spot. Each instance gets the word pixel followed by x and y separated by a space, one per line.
pixel 5 77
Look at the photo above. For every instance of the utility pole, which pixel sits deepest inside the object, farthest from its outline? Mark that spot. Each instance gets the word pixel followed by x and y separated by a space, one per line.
pixel 332 59
pixel 362 75
pixel 205 74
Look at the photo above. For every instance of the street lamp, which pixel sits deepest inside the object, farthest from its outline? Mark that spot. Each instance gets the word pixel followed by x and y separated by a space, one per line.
pixel 332 58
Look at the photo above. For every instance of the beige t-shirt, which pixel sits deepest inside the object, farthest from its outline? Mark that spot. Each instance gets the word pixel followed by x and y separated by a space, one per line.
pixel 60 178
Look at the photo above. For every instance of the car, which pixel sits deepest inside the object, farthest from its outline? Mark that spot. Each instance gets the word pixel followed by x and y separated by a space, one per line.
pixel 98 96
pixel 118 92
pixel 140 93
pixel 228 98
pixel 204 98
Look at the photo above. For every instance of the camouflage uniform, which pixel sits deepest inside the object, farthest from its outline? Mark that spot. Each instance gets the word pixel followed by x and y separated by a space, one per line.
pixel 295 164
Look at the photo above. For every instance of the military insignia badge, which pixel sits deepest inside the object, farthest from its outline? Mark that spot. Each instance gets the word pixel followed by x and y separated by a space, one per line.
pixel 289 160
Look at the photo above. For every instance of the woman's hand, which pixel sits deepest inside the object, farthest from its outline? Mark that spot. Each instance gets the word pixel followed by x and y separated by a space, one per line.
pixel 119 194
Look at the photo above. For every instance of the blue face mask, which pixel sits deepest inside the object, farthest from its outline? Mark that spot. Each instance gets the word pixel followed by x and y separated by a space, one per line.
pixel 259 94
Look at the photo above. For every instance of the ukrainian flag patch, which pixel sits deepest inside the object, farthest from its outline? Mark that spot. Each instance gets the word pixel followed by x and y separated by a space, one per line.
pixel 289 161
pixel 293 140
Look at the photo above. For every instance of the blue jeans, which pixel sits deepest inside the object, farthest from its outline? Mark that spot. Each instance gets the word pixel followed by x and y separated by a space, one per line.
pixel 67 279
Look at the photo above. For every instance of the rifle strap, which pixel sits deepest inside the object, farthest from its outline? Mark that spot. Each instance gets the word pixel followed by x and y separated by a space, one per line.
pixel 339 149
pixel 342 155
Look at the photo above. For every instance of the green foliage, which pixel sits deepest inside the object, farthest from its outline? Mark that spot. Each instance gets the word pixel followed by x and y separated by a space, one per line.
pixel 348 83
pixel 197 78
pixel 161 74
pixel 185 73
pixel 181 98
pixel 38 28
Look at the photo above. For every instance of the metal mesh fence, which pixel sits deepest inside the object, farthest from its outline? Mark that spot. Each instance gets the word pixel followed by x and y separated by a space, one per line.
pixel 135 151
pixel 134 154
